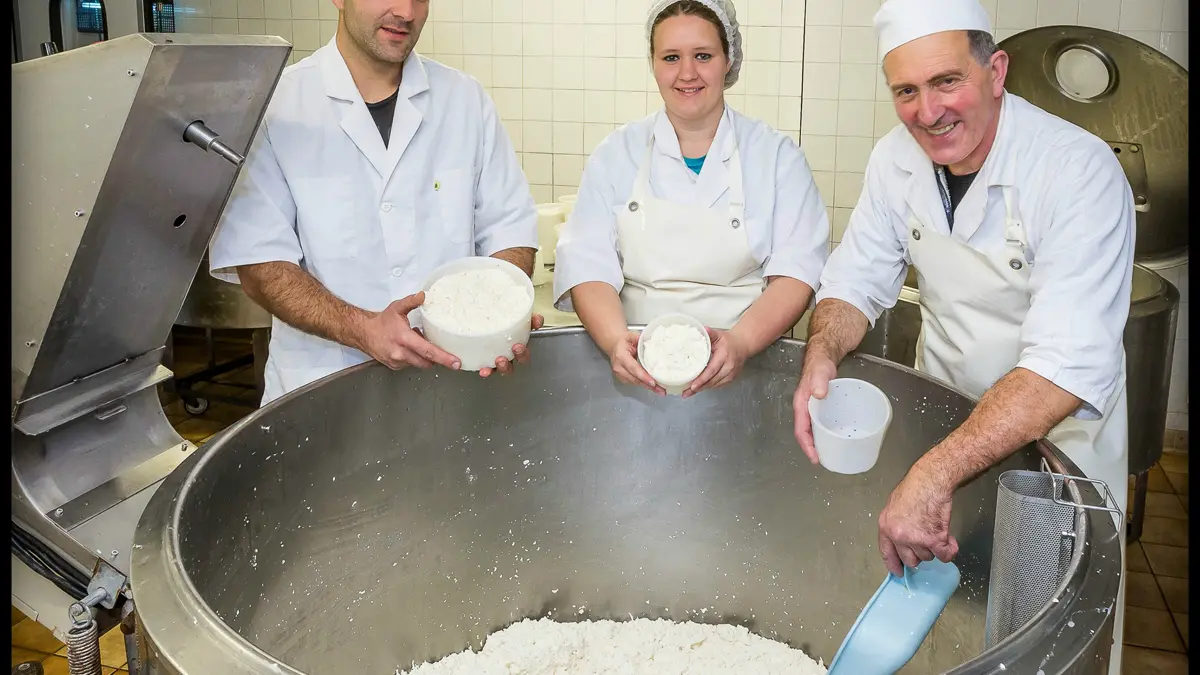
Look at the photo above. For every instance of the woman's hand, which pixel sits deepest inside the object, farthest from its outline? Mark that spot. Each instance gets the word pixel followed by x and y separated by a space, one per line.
pixel 725 364
pixel 626 368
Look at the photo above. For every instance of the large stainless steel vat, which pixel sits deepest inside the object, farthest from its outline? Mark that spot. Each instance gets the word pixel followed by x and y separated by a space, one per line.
pixel 377 518
pixel 1149 346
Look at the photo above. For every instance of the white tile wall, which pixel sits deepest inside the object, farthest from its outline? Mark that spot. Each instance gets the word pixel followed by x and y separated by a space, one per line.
pixel 564 73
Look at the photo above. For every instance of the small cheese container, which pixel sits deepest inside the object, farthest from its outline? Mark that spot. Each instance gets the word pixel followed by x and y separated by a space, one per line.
pixel 674 387
pixel 477 352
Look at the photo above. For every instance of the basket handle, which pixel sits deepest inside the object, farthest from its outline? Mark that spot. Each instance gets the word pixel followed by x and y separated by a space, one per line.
pixel 1106 495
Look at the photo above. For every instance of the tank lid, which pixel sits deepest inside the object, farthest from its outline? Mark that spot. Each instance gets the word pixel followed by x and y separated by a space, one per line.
pixel 1131 96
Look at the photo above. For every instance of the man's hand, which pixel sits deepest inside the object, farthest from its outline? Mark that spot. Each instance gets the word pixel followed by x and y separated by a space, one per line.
pixel 625 364
pixel 388 338
pixel 520 353
pixel 915 524
pixel 725 364
pixel 814 383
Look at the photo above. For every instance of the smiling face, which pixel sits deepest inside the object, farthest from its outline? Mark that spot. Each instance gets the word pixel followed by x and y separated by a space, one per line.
pixel 949 101
pixel 689 66
pixel 384 30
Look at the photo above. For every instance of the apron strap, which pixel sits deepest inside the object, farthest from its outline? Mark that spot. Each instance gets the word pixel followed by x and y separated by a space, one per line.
pixel 1014 228
pixel 737 192
pixel 641 184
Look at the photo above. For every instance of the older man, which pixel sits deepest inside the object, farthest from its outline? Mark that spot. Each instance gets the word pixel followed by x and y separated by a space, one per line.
pixel 373 167
pixel 1021 229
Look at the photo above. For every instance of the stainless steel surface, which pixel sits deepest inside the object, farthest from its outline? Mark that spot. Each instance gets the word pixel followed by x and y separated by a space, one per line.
pixel 894 335
pixel 1149 347
pixel 212 303
pixel 116 209
pixel 1144 108
pixel 114 213
pixel 376 518
pixel 210 141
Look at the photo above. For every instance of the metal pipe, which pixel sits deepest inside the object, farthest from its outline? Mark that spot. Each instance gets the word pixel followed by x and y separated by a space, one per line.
pixel 208 139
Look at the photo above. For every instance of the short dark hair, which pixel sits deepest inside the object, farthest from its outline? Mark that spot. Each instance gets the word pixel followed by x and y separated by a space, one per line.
pixel 691 8
pixel 982 46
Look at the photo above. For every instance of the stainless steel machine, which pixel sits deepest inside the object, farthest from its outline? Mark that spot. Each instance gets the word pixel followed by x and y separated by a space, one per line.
pixel 375 518
pixel 124 153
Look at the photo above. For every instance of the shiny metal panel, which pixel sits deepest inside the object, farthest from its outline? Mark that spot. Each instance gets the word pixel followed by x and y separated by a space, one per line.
pixel 212 303
pixel 1149 348
pixel 377 518
pixel 1145 108
pixel 114 209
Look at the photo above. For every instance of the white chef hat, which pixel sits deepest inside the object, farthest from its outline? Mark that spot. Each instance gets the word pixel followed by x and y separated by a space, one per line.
pixel 899 22
pixel 728 16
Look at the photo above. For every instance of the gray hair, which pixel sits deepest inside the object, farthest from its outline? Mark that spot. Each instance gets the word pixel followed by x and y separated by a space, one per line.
pixel 983 45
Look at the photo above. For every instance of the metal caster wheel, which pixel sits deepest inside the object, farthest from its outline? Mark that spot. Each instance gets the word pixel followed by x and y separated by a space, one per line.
pixel 196 407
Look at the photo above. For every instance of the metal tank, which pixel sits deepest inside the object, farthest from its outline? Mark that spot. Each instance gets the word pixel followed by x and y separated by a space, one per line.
pixel 1133 97
pixel 375 519
pixel 1149 346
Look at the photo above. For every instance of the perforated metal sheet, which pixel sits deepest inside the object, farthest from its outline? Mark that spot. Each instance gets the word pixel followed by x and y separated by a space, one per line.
pixel 1032 548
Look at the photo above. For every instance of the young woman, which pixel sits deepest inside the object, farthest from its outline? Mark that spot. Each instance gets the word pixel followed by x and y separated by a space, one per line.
pixel 694 209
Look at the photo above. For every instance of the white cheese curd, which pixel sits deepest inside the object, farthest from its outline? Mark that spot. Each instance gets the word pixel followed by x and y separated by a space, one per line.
pixel 641 647
pixel 476 302
pixel 675 353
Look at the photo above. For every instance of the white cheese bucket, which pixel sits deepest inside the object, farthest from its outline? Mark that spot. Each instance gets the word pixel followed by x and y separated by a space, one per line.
pixel 477 352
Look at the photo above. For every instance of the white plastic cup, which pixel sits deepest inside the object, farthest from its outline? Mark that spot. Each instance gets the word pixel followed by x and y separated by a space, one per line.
pixel 550 216
pixel 541 274
pixel 568 204
pixel 677 387
pixel 849 425
pixel 477 352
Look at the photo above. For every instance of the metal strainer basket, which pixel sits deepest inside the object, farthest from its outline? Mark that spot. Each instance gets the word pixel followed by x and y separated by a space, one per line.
pixel 1033 548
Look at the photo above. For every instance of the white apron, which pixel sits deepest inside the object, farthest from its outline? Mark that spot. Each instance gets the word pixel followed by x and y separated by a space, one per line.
pixel 972 307
pixel 684 258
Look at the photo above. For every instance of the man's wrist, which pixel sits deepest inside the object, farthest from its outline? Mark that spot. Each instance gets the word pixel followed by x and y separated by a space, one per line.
pixel 356 324
pixel 940 468
pixel 819 347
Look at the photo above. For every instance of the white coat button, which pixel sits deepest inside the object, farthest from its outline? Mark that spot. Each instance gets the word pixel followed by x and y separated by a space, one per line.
pixel 385 207
pixel 916 235
pixel 396 271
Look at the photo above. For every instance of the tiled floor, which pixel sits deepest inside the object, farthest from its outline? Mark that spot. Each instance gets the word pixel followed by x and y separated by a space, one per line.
pixel 1156 603
pixel 33 642
pixel 1156 619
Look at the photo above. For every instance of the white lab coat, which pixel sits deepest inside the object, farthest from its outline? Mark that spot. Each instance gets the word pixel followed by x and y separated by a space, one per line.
pixel 370 222
pixel 1035 274
pixel 1078 214
pixel 786 226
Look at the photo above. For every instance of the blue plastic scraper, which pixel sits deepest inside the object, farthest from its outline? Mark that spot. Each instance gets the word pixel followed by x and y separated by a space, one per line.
pixel 895 622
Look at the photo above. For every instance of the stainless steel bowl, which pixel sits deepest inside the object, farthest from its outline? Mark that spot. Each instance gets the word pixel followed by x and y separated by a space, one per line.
pixel 375 519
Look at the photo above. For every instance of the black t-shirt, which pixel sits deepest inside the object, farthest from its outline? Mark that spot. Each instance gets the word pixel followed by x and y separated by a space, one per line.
pixel 383 112
pixel 958 188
